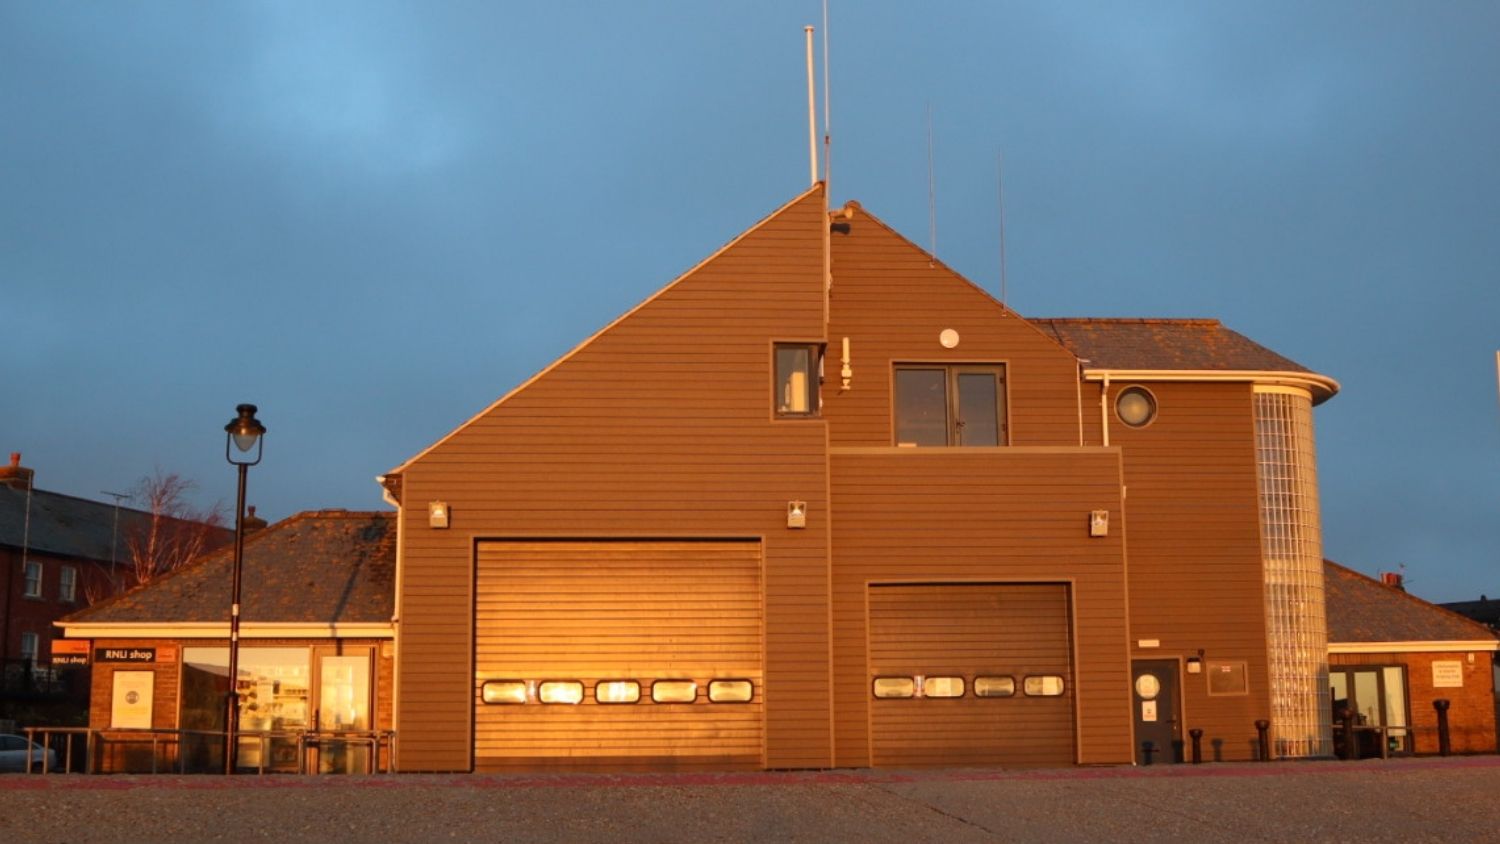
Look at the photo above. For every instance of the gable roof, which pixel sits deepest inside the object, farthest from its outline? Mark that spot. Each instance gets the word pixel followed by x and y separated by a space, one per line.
pixel 321 566
pixel 65 526
pixel 1361 609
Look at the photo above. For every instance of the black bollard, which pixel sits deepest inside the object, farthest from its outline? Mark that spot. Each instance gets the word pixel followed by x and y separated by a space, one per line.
pixel 1147 748
pixel 1197 735
pixel 1349 743
pixel 1441 705
pixel 1263 727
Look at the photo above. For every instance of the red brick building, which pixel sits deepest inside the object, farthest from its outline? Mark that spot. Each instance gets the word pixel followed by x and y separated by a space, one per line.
pixel 1392 654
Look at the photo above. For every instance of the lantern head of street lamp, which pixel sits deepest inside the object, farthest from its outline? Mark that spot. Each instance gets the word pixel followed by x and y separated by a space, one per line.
pixel 245 437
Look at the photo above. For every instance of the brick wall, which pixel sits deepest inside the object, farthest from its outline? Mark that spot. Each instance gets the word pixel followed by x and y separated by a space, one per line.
pixel 1472 709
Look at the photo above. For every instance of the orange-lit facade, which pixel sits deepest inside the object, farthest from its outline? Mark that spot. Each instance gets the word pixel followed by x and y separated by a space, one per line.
pixel 823 502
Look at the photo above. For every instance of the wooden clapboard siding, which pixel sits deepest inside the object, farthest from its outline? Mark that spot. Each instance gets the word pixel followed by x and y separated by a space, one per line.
pixel 600 611
pixel 892 302
pixel 1195 564
pixel 984 515
pixel 969 630
pixel 660 426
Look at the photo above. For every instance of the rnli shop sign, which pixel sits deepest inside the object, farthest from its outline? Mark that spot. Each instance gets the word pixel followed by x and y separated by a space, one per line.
pixel 124 654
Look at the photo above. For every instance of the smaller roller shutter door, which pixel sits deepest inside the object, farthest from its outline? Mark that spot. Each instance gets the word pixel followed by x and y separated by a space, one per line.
pixel 971 631
pixel 596 612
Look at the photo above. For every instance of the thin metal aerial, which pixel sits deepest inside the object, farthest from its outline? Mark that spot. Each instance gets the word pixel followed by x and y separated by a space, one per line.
pixel 1000 190
pixel 931 190
pixel 827 113
pixel 812 111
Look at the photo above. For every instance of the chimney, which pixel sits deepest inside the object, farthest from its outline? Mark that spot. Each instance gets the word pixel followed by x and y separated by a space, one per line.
pixel 15 475
pixel 1393 579
pixel 253 523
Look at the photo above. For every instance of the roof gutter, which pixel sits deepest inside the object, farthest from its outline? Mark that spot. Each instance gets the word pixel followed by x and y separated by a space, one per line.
pixel 1448 646
pixel 1321 387
pixel 220 630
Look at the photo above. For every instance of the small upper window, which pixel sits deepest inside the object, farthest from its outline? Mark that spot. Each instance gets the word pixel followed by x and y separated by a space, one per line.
pixel 943 687
pixel 504 691
pixel 796 379
pixel 33 585
pixel 895 687
pixel 994 686
pixel 67 584
pixel 1135 406
pixel 1044 685
pixel 938 405
pixel 730 691
pixel 30 643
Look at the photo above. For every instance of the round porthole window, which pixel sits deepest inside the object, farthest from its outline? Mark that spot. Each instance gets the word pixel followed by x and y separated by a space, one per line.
pixel 1136 407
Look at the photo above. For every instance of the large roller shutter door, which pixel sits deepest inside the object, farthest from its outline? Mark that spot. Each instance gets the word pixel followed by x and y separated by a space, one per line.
pixel 627 615
pixel 953 643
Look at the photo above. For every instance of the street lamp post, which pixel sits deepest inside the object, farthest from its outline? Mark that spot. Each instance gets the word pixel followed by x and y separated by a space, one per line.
pixel 244 440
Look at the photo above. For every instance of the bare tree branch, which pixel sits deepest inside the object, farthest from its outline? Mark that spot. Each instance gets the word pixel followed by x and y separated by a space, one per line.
pixel 176 532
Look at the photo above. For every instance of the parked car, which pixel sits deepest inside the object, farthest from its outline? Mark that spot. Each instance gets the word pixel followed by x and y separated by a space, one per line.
pixel 13 754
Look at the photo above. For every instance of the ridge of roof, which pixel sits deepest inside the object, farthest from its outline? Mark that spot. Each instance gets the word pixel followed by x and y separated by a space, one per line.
pixel 937 262
pixel 816 187
pixel 1203 321
pixel 1418 603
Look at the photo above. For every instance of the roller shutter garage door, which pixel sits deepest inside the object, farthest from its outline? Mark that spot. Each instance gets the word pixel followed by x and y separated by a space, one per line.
pixel 940 656
pixel 600 620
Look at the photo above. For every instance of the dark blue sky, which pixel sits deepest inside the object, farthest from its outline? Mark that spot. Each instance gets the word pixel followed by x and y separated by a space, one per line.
pixel 373 219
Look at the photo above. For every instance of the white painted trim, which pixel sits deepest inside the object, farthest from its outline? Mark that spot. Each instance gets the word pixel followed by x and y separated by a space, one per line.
pixel 1321 386
pixel 817 186
pixel 220 630
pixel 1450 646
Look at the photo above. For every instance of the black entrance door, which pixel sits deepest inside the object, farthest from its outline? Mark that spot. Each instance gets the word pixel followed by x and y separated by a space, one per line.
pixel 1158 731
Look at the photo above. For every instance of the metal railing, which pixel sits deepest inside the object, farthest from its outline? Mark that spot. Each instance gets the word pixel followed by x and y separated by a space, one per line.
pixel 97 744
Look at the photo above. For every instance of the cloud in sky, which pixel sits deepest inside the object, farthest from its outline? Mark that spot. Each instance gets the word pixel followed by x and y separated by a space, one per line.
pixel 374 218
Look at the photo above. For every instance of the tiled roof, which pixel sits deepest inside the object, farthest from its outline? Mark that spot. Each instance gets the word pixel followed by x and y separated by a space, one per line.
pixel 1361 609
pixel 321 566
pixel 1164 344
pixel 1484 610
pixel 64 525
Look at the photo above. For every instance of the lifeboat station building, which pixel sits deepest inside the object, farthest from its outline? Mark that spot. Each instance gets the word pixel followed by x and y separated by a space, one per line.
pixel 822 502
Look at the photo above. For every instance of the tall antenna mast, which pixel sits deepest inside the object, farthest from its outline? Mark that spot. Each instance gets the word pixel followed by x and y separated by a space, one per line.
pixel 931 190
pixel 1000 190
pixel 827 114
pixel 812 112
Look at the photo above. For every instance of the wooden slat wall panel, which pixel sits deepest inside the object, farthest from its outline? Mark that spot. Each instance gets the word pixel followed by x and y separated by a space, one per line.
pixel 618 611
pixel 892 303
pixel 968 630
pixel 1195 563
pixel 659 427
pixel 1000 515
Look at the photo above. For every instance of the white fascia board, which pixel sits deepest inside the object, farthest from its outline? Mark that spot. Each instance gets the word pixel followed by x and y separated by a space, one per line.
pixel 1320 386
pixel 220 630
pixel 1451 646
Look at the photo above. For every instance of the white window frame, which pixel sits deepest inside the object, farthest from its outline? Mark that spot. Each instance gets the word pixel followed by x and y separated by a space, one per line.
pixel 32 587
pixel 31 644
pixel 67 584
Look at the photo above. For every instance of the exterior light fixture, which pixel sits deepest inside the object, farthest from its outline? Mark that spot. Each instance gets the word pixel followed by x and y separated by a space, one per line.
pixel 796 514
pixel 437 514
pixel 245 437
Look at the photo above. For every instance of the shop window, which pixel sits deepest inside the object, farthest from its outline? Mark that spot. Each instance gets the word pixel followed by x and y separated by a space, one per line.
pixel 796 379
pixel 939 405
pixel 560 691
pixel 1227 677
pixel 67 584
pixel 889 688
pixel 1043 685
pixel 674 691
pixel 32 588
pixel 503 691
pixel 994 686
pixel 943 687
pixel 617 691
pixel 730 691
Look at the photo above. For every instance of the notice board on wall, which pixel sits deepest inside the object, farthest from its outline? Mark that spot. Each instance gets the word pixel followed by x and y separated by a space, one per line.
pixel 130 706
pixel 1447 674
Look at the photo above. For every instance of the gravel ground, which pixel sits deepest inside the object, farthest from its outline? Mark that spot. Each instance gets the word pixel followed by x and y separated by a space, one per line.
pixel 1398 800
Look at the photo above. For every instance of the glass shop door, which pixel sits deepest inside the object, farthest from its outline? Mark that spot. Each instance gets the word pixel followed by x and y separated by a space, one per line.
pixel 343 712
